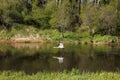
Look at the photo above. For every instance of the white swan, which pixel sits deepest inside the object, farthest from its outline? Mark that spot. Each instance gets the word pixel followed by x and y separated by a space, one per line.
pixel 60 45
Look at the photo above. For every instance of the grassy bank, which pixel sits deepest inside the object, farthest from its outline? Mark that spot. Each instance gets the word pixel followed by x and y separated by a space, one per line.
pixel 73 75
pixel 32 34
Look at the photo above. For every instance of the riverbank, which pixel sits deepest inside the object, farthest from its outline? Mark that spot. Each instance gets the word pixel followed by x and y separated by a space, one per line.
pixel 34 35
pixel 22 40
pixel 73 75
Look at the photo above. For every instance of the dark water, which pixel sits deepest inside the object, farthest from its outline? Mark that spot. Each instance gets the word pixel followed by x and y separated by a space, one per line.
pixel 33 58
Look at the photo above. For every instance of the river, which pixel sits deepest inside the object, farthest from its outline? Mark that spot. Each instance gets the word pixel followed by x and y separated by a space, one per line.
pixel 36 57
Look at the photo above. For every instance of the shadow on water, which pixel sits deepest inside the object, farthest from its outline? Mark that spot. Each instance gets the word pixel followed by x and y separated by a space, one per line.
pixel 32 58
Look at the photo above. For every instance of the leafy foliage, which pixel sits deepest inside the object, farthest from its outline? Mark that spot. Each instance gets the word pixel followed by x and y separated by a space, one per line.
pixel 93 17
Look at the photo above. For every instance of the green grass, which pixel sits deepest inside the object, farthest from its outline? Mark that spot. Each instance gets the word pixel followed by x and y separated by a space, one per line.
pixel 73 75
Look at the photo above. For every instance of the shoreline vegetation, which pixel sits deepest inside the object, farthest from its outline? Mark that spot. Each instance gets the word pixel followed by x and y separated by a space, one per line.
pixel 34 35
pixel 72 75
pixel 84 21
pixel 39 40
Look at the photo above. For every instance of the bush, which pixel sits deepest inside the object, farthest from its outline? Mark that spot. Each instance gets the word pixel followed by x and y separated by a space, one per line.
pixel 105 38
pixel 71 35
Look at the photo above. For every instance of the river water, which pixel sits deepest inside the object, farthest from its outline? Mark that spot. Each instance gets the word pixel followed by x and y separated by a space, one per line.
pixel 35 57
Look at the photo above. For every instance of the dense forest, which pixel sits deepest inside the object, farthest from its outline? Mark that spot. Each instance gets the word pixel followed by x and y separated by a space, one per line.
pixel 79 16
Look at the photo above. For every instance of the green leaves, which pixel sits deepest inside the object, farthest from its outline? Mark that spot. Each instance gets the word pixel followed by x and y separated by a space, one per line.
pixel 102 17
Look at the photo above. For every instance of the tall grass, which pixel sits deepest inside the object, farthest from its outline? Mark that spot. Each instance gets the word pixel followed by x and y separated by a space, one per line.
pixel 73 75
pixel 53 35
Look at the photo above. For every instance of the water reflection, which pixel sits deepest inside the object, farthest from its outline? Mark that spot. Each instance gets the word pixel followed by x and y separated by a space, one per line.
pixel 33 58
pixel 27 45
pixel 60 59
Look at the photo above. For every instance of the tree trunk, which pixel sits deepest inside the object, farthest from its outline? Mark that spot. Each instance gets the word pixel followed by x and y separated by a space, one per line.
pixel 58 2
pixel 95 1
pixel 79 6
pixel 98 2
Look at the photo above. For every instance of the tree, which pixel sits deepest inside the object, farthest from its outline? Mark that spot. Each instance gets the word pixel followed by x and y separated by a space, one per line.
pixel 90 18
pixel 107 21
pixel 66 16
pixel 38 16
pixel 118 17
pixel 8 10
